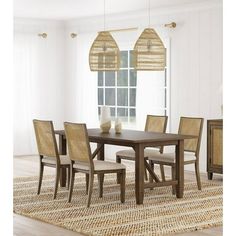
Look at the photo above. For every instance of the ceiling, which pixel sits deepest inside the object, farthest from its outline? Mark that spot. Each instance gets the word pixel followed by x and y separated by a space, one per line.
pixel 69 9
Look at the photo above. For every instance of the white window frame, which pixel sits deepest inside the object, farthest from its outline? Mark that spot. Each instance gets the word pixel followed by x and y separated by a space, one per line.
pixel 167 86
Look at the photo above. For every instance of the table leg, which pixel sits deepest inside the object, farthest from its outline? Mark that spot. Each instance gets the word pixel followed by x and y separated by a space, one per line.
pixel 139 173
pixel 210 175
pixel 100 156
pixel 179 155
pixel 62 145
pixel 62 151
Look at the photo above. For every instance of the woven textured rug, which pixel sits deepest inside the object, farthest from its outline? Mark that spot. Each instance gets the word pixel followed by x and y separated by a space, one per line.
pixel 161 214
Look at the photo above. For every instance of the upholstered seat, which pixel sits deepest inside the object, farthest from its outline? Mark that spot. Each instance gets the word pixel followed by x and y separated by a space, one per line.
pixel 64 160
pixel 129 154
pixel 100 166
pixel 169 157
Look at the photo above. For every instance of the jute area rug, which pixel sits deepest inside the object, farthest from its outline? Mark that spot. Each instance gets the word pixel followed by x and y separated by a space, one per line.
pixel 161 214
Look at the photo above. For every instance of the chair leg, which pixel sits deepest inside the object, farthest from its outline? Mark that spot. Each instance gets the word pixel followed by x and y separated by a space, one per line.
pixel 90 189
pixel 173 178
pixel 118 160
pixel 162 172
pixel 41 168
pixel 151 163
pixel 198 176
pixel 100 184
pixel 72 178
pixel 122 186
pixel 87 182
pixel 68 178
pixel 56 181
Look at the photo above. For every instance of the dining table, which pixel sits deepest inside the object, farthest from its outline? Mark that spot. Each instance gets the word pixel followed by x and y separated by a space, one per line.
pixel 138 140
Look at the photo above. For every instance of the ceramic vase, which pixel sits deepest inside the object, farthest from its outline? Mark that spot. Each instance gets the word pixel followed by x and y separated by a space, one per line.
pixel 118 125
pixel 105 120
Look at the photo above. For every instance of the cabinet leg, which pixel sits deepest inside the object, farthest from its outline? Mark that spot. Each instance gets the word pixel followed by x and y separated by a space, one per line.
pixel 210 175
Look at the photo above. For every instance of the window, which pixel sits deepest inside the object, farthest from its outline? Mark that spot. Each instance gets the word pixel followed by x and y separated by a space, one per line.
pixel 118 90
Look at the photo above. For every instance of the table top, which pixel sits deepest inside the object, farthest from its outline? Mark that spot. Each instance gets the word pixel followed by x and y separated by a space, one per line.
pixel 131 136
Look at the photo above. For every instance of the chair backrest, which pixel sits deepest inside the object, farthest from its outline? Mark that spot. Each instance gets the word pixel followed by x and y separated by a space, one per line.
pixel 191 126
pixel 78 142
pixel 45 137
pixel 156 123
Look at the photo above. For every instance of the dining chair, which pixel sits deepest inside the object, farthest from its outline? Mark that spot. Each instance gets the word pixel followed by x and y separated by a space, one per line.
pixel 81 161
pixel 153 124
pixel 187 126
pixel 48 152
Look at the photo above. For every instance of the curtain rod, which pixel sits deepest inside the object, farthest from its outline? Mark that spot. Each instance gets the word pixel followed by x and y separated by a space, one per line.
pixel 170 25
pixel 73 35
pixel 123 29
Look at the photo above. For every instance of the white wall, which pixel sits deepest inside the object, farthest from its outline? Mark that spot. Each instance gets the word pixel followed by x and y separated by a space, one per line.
pixel 46 99
pixel 196 58
pixel 196 69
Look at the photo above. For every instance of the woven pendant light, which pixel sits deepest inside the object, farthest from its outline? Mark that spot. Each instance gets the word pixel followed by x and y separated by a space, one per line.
pixel 149 51
pixel 104 54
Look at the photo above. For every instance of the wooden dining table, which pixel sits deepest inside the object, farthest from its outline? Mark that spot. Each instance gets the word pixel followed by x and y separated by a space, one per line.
pixel 138 140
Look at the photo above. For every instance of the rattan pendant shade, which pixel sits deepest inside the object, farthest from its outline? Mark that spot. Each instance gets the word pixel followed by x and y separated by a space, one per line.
pixel 104 54
pixel 149 52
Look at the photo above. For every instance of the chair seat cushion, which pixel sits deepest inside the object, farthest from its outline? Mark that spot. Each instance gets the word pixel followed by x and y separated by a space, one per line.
pixel 100 166
pixel 65 160
pixel 170 157
pixel 130 153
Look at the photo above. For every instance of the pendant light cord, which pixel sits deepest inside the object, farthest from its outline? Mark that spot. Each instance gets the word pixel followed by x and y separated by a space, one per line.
pixel 104 19
pixel 149 13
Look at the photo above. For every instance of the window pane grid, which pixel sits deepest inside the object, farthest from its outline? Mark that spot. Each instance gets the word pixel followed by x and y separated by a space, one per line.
pixel 103 78
pixel 118 90
pixel 120 87
pixel 128 87
pixel 116 95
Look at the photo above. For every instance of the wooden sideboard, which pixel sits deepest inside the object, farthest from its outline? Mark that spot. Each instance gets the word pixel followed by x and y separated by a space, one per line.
pixel 214 147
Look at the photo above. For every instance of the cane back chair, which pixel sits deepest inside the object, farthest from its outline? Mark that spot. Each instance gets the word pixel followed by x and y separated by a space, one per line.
pixel 81 161
pixel 48 152
pixel 187 126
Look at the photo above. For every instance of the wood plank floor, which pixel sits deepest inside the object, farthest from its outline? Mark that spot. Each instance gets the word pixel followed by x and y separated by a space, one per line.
pixel 28 166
